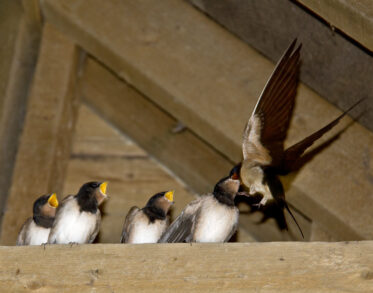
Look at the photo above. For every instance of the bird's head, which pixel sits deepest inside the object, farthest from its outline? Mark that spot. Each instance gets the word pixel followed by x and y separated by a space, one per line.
pixel 163 200
pixel 93 191
pixel 44 210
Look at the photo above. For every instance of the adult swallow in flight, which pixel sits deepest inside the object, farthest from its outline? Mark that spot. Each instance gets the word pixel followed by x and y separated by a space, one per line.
pixel 264 156
pixel 78 217
pixel 211 218
pixel 147 225
pixel 35 231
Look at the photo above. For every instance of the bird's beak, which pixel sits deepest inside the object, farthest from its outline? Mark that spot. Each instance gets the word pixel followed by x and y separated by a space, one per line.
pixel 52 200
pixel 169 195
pixel 103 187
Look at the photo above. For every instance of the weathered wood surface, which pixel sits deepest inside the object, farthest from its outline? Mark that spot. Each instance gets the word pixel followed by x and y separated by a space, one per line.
pixel 44 146
pixel 235 267
pixel 332 65
pixel 211 84
pixel 354 18
pixel 189 158
pixel 18 53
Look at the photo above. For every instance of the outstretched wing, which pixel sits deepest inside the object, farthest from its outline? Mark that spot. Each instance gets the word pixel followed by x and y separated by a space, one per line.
pixel 181 230
pixel 129 218
pixel 264 135
pixel 293 153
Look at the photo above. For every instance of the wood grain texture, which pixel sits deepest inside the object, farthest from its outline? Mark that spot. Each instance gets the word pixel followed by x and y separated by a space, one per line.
pixel 18 54
pixel 45 142
pixel 354 18
pixel 131 112
pixel 255 267
pixel 332 65
pixel 211 84
pixel 186 155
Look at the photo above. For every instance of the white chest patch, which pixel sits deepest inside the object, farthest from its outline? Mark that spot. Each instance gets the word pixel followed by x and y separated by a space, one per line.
pixel 73 226
pixel 37 235
pixel 215 222
pixel 144 232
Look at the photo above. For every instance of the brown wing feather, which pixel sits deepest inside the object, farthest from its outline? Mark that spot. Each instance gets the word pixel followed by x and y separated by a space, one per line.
pixel 293 153
pixel 274 109
pixel 97 227
pixel 181 230
pixel 129 218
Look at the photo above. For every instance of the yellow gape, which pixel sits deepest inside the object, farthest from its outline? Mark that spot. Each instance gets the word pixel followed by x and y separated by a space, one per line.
pixel 53 200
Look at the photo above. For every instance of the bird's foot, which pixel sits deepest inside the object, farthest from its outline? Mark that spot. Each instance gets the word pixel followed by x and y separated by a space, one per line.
pixel 261 203
pixel 73 243
pixel 44 245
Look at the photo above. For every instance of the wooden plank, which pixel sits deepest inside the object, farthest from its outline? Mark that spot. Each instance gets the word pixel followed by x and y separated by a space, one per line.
pixel 18 53
pixel 354 18
pixel 332 65
pixel 211 88
pixel 236 267
pixel 45 141
pixel 33 13
pixel 189 158
pixel 184 153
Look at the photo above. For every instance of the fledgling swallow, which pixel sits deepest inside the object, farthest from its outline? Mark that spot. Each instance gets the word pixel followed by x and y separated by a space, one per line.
pixel 35 230
pixel 147 225
pixel 78 218
pixel 211 218
pixel 264 156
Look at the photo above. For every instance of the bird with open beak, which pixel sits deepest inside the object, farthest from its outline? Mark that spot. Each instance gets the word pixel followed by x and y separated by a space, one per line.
pixel 211 218
pixel 78 218
pixel 264 155
pixel 35 231
pixel 147 225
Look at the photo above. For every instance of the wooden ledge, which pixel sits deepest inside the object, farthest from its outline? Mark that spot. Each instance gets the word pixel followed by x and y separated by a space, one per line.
pixel 354 18
pixel 243 267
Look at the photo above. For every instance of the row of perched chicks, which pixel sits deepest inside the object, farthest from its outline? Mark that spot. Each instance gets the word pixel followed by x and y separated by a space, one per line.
pixel 212 217
pixel 77 219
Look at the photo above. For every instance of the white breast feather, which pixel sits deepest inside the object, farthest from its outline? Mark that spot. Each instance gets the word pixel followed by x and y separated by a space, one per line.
pixel 215 222
pixel 145 232
pixel 37 235
pixel 73 226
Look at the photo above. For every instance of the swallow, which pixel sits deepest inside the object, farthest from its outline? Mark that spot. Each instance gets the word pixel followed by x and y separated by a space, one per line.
pixel 211 218
pixel 264 155
pixel 78 218
pixel 35 230
pixel 147 225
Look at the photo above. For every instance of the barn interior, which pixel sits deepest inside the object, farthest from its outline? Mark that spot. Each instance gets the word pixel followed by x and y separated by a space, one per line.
pixel 153 96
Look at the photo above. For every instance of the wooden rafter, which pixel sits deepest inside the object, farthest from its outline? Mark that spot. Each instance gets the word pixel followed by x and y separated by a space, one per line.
pixel 45 142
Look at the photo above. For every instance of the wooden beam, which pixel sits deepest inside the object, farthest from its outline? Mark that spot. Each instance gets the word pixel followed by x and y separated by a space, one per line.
pixel 184 153
pixel 166 54
pixel 18 54
pixel 45 142
pixel 354 18
pixel 270 25
pixel 189 157
pixel 240 267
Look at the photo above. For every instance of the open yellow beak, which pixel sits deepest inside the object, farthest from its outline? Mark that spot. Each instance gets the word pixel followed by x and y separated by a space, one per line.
pixel 52 200
pixel 169 195
pixel 103 186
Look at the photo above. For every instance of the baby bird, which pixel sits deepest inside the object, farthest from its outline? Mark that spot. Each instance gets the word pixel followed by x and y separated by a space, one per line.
pixel 147 225
pixel 35 230
pixel 211 218
pixel 78 218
